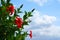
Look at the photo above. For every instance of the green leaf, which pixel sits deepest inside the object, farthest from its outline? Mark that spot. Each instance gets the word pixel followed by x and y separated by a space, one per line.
pixel 30 14
pixel 8 1
pixel 25 16
pixel 25 23
pixel 21 6
pixel 19 9
pixel 2 2
pixel 33 10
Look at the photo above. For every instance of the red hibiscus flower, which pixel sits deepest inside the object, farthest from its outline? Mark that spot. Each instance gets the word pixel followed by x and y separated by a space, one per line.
pixel 10 9
pixel 30 34
pixel 18 22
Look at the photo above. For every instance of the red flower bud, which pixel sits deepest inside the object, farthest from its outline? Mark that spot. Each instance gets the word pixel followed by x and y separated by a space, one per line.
pixel 10 9
pixel 30 34
pixel 18 22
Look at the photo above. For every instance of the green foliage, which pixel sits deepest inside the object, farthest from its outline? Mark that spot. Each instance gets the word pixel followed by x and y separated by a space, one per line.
pixel 2 2
pixel 26 16
pixel 19 9
pixel 8 27
pixel 8 1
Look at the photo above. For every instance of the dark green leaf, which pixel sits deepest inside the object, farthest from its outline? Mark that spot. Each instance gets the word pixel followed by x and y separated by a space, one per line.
pixel 29 14
pixel 21 6
pixel 25 23
pixel 2 2
pixel 33 10
pixel 8 1
pixel 25 16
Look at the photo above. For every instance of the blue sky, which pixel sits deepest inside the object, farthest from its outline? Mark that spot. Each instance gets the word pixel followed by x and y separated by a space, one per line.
pixel 46 18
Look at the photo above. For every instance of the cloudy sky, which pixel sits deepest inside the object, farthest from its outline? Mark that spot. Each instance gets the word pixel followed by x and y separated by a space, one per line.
pixel 46 18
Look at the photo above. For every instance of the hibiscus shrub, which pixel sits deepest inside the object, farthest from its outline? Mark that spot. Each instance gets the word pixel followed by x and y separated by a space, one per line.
pixel 11 24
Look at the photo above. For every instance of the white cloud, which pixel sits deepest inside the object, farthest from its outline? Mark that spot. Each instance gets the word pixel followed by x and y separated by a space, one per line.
pixel 52 31
pixel 39 2
pixel 39 19
pixel 47 33
pixel 42 19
